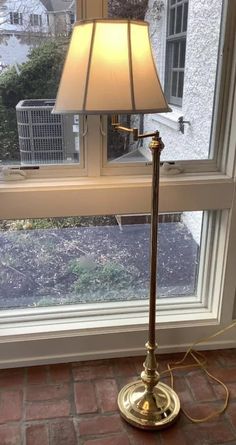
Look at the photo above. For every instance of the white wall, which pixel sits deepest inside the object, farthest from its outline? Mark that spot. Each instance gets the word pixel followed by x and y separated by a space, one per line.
pixel 201 61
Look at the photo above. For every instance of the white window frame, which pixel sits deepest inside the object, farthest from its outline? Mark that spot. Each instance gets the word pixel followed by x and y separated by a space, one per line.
pixel 36 20
pixel 171 40
pixel 47 335
pixel 16 18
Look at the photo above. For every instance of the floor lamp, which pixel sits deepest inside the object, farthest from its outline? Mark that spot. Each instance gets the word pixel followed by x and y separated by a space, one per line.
pixel 110 69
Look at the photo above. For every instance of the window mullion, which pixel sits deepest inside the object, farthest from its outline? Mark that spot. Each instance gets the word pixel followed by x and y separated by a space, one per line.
pixel 93 146
pixel 87 9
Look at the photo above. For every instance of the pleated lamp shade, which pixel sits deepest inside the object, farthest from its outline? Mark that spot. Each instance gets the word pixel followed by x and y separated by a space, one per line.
pixel 110 69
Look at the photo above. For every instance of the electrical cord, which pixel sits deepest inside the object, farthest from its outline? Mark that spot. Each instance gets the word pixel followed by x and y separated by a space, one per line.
pixel 200 362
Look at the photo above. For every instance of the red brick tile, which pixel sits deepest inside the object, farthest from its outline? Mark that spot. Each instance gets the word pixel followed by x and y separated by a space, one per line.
pixel 123 381
pixel 100 425
pixel 60 373
pixel 212 358
pixel 139 437
pixel 173 436
pixel 85 398
pixel 10 435
pixel 86 372
pixel 62 433
pixel 37 375
pixel 227 375
pixel 125 367
pixel 120 439
pixel 10 378
pixel 182 389
pixel 226 357
pixel 107 393
pixel 201 387
pixel 37 435
pixel 201 410
pixel 138 363
pixel 231 413
pixel 221 393
pixel 47 392
pixel 47 410
pixel 11 403
pixel 211 433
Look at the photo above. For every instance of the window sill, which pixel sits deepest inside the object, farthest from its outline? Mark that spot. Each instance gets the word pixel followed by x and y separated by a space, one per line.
pixel 113 195
pixel 89 335
pixel 170 120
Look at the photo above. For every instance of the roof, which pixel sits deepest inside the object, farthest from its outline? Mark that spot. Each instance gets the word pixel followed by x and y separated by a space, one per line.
pixel 59 5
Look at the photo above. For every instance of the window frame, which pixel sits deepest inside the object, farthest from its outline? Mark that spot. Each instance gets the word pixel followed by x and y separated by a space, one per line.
pixel 16 18
pixel 104 168
pixel 173 39
pixel 69 333
pixel 36 20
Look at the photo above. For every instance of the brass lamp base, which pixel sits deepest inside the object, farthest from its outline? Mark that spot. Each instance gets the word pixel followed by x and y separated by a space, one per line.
pixel 152 411
pixel 148 403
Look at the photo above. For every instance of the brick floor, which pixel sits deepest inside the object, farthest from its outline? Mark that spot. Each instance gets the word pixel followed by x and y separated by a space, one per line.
pixel 75 404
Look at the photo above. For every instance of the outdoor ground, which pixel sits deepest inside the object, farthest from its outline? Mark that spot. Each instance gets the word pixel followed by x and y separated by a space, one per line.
pixel 60 265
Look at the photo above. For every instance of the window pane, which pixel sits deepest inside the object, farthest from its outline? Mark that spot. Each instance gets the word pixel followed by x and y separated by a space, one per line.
pixel 182 54
pixel 29 78
pixel 185 19
pixel 96 259
pixel 198 60
pixel 172 22
pixel 174 83
pixel 180 84
pixel 179 19
pixel 176 55
pixel 122 149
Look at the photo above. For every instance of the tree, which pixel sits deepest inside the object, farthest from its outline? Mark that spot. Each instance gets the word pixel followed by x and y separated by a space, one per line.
pixel 132 9
pixel 38 78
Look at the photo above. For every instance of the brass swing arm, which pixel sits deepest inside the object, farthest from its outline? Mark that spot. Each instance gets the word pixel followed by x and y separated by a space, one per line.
pixel 134 131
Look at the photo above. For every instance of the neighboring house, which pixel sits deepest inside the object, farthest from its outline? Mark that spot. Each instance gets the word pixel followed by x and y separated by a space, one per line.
pixel 23 24
pixel 61 15
pixel 185 39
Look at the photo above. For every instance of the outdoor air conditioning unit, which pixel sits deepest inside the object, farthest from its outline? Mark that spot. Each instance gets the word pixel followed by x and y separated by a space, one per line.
pixel 46 138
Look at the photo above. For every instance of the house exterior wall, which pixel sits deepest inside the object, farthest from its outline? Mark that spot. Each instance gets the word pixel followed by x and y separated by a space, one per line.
pixel 199 83
pixel 59 23
pixel 17 39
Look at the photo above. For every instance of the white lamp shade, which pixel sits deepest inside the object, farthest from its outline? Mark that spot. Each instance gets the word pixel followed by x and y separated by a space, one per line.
pixel 110 69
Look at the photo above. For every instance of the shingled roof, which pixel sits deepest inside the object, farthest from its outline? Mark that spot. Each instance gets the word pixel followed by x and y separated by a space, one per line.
pixel 58 5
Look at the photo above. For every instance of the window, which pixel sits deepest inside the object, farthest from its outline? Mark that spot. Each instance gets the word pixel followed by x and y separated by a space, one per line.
pixel 176 50
pixel 189 74
pixel 87 260
pixel 16 18
pixel 72 17
pixel 35 20
pixel 205 189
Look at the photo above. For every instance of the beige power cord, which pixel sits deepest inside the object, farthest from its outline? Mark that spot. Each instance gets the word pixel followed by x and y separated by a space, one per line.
pixel 201 363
